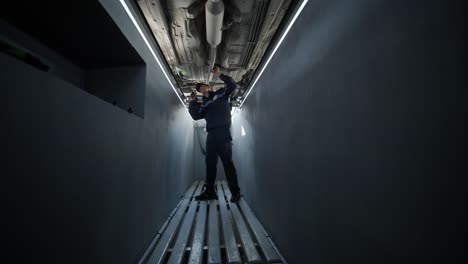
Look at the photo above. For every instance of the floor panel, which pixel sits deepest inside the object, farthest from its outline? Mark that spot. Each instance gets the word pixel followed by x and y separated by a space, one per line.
pixel 215 231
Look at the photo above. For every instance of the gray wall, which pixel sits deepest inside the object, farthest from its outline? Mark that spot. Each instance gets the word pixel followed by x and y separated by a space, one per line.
pixel 123 85
pixel 354 135
pixel 199 148
pixel 86 181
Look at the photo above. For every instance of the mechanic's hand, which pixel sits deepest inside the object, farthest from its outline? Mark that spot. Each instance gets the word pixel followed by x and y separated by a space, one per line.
pixel 193 95
pixel 216 72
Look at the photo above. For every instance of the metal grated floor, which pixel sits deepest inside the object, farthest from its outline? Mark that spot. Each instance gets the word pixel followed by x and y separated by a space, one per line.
pixel 215 231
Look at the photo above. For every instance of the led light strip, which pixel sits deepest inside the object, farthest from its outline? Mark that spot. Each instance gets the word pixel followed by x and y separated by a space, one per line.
pixel 274 50
pixel 129 13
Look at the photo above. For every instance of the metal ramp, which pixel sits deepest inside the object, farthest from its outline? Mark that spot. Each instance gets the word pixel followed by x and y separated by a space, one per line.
pixel 215 231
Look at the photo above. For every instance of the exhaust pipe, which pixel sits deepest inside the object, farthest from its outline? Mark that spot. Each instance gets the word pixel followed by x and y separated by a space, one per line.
pixel 214 13
pixel 214 21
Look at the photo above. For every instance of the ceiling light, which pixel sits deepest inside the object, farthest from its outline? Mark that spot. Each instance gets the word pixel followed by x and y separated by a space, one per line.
pixel 135 23
pixel 299 10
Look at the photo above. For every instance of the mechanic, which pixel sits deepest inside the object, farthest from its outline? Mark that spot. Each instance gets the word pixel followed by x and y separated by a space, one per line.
pixel 216 110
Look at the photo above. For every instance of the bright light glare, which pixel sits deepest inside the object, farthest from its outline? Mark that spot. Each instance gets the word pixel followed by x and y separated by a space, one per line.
pixel 129 13
pixel 233 111
pixel 243 131
pixel 276 48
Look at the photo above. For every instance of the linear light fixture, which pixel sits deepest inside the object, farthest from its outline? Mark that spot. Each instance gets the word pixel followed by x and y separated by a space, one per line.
pixel 298 12
pixel 135 23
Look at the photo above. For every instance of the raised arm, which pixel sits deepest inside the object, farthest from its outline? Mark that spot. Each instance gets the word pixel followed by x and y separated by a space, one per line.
pixel 230 83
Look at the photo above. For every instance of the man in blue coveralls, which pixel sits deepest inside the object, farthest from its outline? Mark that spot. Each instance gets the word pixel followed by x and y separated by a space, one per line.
pixel 216 110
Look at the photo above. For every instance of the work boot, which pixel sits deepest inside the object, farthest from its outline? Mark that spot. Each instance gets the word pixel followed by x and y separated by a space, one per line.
pixel 235 197
pixel 207 195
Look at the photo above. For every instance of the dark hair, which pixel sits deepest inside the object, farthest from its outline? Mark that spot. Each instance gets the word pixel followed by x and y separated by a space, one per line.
pixel 198 85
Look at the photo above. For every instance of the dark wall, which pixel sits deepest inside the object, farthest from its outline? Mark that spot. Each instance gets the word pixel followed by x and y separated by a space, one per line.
pixel 86 182
pixel 121 86
pixel 81 33
pixel 59 65
pixel 355 132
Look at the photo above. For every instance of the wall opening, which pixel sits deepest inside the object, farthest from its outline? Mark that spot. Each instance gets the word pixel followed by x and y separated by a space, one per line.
pixel 88 50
